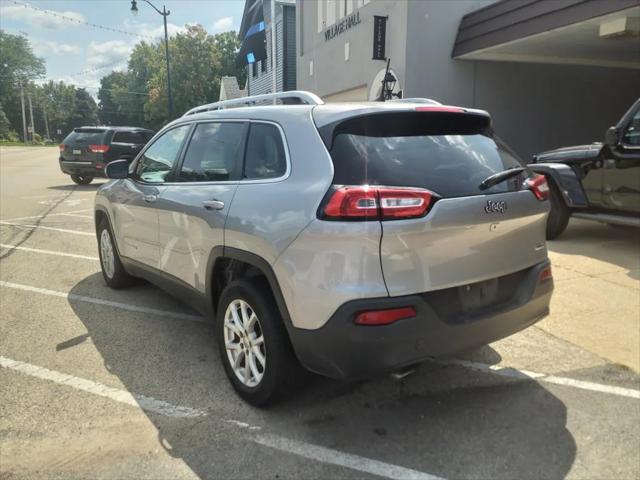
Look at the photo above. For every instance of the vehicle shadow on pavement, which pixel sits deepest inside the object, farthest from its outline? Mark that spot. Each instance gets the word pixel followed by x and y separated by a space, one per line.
pixel 619 246
pixel 444 420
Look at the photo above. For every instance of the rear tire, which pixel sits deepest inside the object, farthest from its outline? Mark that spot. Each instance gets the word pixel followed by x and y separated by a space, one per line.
pixel 559 213
pixel 254 347
pixel 114 274
pixel 81 179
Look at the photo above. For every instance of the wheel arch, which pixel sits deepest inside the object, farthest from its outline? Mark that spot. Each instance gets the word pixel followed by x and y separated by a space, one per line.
pixel 220 260
pixel 565 180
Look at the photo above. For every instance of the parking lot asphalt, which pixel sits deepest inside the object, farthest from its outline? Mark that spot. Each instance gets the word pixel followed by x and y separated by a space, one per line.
pixel 98 383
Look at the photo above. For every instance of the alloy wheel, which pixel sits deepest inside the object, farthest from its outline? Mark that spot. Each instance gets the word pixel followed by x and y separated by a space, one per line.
pixel 244 343
pixel 107 254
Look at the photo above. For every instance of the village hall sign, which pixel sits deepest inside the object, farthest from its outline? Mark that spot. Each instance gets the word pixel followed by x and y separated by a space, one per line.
pixel 345 24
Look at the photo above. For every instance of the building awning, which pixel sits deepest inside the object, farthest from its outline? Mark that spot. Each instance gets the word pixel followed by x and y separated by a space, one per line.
pixel 580 32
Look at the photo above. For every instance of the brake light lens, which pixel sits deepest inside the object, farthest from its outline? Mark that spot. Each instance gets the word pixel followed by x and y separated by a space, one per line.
pixel 99 148
pixel 539 186
pixel 367 202
pixel 384 317
pixel 62 146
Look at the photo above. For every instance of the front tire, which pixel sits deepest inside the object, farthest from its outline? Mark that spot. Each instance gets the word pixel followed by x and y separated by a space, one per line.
pixel 559 213
pixel 81 179
pixel 113 272
pixel 253 343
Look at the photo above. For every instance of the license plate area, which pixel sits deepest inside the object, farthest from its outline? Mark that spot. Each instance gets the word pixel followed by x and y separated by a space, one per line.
pixel 478 296
pixel 77 152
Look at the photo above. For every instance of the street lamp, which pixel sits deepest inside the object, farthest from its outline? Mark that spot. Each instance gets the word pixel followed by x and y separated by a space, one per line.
pixel 388 84
pixel 165 13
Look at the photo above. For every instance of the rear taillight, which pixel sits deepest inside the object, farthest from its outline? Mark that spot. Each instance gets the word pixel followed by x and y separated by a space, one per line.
pixel 62 146
pixel 384 317
pixel 367 202
pixel 539 186
pixel 546 274
pixel 99 148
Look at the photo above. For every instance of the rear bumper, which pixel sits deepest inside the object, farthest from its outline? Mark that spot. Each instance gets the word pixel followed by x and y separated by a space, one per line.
pixel 341 349
pixel 86 168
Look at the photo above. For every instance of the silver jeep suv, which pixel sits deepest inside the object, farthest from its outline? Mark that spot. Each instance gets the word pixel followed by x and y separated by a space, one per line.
pixel 349 239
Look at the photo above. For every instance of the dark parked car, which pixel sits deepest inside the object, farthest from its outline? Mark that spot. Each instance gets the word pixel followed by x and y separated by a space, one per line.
pixel 85 151
pixel 598 182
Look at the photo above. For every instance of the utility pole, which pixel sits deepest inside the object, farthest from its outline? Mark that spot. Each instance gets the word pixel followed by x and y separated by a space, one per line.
pixel 46 123
pixel 24 119
pixel 31 116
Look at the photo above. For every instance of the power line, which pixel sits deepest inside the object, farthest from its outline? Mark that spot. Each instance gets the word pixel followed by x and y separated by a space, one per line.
pixel 81 22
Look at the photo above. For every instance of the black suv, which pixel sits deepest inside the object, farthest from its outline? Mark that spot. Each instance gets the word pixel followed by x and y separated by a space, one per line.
pixel 85 151
pixel 600 181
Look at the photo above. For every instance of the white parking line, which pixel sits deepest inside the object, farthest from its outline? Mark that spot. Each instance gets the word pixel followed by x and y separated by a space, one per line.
pixel 48 252
pixel 42 227
pixel 47 215
pixel 142 401
pixel 106 303
pixel 76 215
pixel 342 459
pixel 150 404
pixel 543 377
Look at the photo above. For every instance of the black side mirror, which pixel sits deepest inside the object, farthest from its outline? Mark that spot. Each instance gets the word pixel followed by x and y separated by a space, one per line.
pixel 612 137
pixel 117 169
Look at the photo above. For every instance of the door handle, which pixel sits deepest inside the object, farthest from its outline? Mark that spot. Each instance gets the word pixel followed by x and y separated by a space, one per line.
pixel 213 204
pixel 150 198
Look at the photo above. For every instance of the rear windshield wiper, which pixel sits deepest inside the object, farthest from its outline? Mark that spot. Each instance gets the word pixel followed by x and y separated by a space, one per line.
pixel 496 178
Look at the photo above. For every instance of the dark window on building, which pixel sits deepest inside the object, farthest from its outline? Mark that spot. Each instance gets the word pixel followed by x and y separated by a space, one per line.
pixel 263 65
pixel 213 152
pixel 265 157
pixel 254 69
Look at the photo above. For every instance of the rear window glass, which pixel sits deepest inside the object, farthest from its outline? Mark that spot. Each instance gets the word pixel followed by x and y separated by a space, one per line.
pixel 89 136
pixel 137 138
pixel 449 159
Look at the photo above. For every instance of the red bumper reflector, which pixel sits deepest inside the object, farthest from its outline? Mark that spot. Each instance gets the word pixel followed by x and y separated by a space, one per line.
pixel 99 165
pixel 546 274
pixel 384 317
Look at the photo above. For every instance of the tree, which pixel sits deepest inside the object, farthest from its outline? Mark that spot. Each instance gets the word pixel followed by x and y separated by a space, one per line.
pixel 198 62
pixel 110 111
pixel 18 64
pixel 228 45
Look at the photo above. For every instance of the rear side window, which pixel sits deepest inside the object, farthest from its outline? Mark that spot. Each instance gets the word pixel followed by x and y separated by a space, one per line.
pixel 213 153
pixel 86 136
pixel 265 157
pixel 445 153
pixel 136 138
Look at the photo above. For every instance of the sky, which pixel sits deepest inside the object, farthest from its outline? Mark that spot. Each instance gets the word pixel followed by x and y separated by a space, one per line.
pixel 80 54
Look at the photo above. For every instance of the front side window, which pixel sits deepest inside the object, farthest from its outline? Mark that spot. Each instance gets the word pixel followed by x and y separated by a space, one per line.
pixel 631 135
pixel 265 157
pixel 213 153
pixel 157 161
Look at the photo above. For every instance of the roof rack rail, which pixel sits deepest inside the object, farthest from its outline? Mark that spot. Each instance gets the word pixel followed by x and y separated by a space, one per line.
pixel 299 95
pixel 416 100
